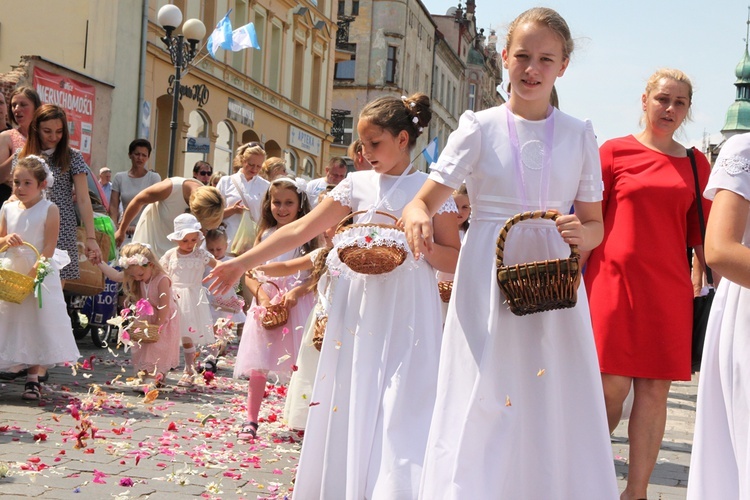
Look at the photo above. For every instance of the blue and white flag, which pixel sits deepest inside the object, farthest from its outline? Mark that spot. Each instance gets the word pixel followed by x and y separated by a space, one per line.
pixel 245 38
pixel 221 37
pixel 431 152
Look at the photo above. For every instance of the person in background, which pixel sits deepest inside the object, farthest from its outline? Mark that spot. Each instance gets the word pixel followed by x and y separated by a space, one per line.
pixel 24 102
pixel 3 113
pixel 273 168
pixel 335 173
pixel 126 185
pixel 105 179
pixel 357 155
pixel 215 177
pixel 638 279
pixel 202 171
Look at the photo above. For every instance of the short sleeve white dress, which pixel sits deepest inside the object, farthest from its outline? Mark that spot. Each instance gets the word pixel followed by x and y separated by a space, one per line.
pixel 375 386
pixel 720 460
pixel 520 407
pixel 186 273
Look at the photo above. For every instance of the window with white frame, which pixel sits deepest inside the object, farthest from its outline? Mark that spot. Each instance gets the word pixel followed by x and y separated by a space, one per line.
pixel 472 95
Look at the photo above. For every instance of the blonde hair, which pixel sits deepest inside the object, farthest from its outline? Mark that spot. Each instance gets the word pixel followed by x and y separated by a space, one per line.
pixel 214 179
pixel 669 74
pixel 549 18
pixel 130 287
pixel 207 204
pixel 247 150
pixel 270 165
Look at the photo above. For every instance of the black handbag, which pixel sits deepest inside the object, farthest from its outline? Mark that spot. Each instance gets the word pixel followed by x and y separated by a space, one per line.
pixel 701 305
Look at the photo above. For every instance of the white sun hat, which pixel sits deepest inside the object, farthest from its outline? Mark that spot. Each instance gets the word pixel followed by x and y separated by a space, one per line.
pixel 185 224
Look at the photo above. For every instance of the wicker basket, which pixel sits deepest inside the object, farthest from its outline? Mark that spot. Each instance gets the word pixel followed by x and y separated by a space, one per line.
pixel 319 331
pixel 14 286
pixel 276 314
pixel 445 288
pixel 537 286
pixel 377 257
pixel 143 332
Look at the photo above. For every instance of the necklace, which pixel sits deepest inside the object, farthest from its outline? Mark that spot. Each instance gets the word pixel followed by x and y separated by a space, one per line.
pixel 549 132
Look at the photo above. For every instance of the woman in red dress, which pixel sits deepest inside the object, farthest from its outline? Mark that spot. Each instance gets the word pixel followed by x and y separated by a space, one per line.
pixel 638 279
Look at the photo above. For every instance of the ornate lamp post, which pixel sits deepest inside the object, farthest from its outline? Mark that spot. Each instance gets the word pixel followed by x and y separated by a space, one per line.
pixel 170 17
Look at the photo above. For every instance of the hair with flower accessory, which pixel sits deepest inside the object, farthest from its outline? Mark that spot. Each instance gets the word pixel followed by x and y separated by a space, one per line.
pixel 39 169
pixel 137 254
pixel 411 114
pixel 299 183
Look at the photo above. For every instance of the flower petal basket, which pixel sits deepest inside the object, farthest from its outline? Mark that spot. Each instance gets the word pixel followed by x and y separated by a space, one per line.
pixel 276 314
pixel 143 332
pixel 445 288
pixel 14 286
pixel 537 286
pixel 373 251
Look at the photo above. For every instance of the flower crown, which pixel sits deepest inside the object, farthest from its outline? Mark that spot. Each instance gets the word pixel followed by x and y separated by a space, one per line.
pixel 50 177
pixel 134 260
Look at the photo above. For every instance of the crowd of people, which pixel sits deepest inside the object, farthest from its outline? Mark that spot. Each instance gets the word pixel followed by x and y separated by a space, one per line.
pixel 418 395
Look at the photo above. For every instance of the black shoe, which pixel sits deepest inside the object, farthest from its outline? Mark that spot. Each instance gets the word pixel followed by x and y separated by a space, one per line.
pixel 13 375
pixel 44 378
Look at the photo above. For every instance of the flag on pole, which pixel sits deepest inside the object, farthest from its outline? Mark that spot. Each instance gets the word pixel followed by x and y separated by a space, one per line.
pixel 221 37
pixel 431 152
pixel 245 38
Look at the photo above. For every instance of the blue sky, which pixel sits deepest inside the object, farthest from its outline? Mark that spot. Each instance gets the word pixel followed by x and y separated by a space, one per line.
pixel 620 44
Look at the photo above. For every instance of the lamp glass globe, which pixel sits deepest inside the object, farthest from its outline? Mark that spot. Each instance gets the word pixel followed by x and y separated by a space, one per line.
pixel 194 29
pixel 169 15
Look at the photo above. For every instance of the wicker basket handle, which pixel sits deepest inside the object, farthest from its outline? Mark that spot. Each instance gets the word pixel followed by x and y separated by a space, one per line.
pixel 5 247
pixel 341 224
pixel 537 214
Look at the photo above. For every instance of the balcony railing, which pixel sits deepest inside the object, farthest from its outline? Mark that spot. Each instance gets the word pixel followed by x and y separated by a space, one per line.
pixel 342 34
pixel 337 128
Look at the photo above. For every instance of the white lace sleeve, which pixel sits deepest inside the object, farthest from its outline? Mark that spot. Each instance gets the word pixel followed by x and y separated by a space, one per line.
pixel 732 168
pixel 206 255
pixel 343 192
pixel 448 206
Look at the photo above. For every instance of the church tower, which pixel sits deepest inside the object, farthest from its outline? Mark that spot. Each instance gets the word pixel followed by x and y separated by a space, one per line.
pixel 738 114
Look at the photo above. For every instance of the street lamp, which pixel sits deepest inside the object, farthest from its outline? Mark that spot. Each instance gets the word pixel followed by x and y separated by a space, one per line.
pixel 170 17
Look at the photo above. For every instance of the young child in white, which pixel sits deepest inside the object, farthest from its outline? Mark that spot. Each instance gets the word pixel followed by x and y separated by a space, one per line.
pixel 275 350
pixel 461 198
pixel 185 265
pixel 227 306
pixel 37 332
pixel 375 385
pixel 144 278
pixel 520 411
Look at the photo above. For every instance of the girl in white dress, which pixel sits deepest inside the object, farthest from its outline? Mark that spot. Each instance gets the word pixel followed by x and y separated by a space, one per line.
pixel 263 350
pixel 520 412
pixel 185 265
pixel 36 333
pixel 375 386
pixel 720 461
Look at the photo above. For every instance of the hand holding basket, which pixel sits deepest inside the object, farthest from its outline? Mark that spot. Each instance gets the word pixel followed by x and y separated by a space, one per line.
pixel 376 255
pixel 537 286
pixel 276 314
pixel 14 286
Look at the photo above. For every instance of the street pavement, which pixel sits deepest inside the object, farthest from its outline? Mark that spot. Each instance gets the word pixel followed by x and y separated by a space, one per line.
pixel 92 436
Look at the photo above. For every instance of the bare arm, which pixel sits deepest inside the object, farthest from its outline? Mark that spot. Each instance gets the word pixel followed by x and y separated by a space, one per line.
pixel 114 207
pixel 294 234
pixel 584 228
pixel 446 245
pixel 156 192
pixel 724 250
pixel 165 295
pixel 6 157
pixel 83 200
pixel 417 216
pixel 110 272
pixel 286 268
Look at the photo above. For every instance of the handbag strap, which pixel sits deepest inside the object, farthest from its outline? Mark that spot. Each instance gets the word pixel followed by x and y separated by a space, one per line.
pixel 242 194
pixel 701 218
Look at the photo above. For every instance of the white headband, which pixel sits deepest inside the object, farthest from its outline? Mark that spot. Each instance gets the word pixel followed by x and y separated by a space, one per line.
pixel 299 183
pixel 50 177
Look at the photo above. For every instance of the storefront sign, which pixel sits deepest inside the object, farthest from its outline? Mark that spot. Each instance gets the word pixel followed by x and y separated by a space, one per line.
pixel 240 112
pixel 200 145
pixel 304 141
pixel 76 98
pixel 198 92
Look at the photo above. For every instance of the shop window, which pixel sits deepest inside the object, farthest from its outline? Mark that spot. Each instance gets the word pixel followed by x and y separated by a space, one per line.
pixel 309 169
pixel 199 128
pixel 224 150
pixel 291 160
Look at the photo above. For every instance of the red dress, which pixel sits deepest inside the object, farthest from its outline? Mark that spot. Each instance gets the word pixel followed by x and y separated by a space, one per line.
pixel 638 279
